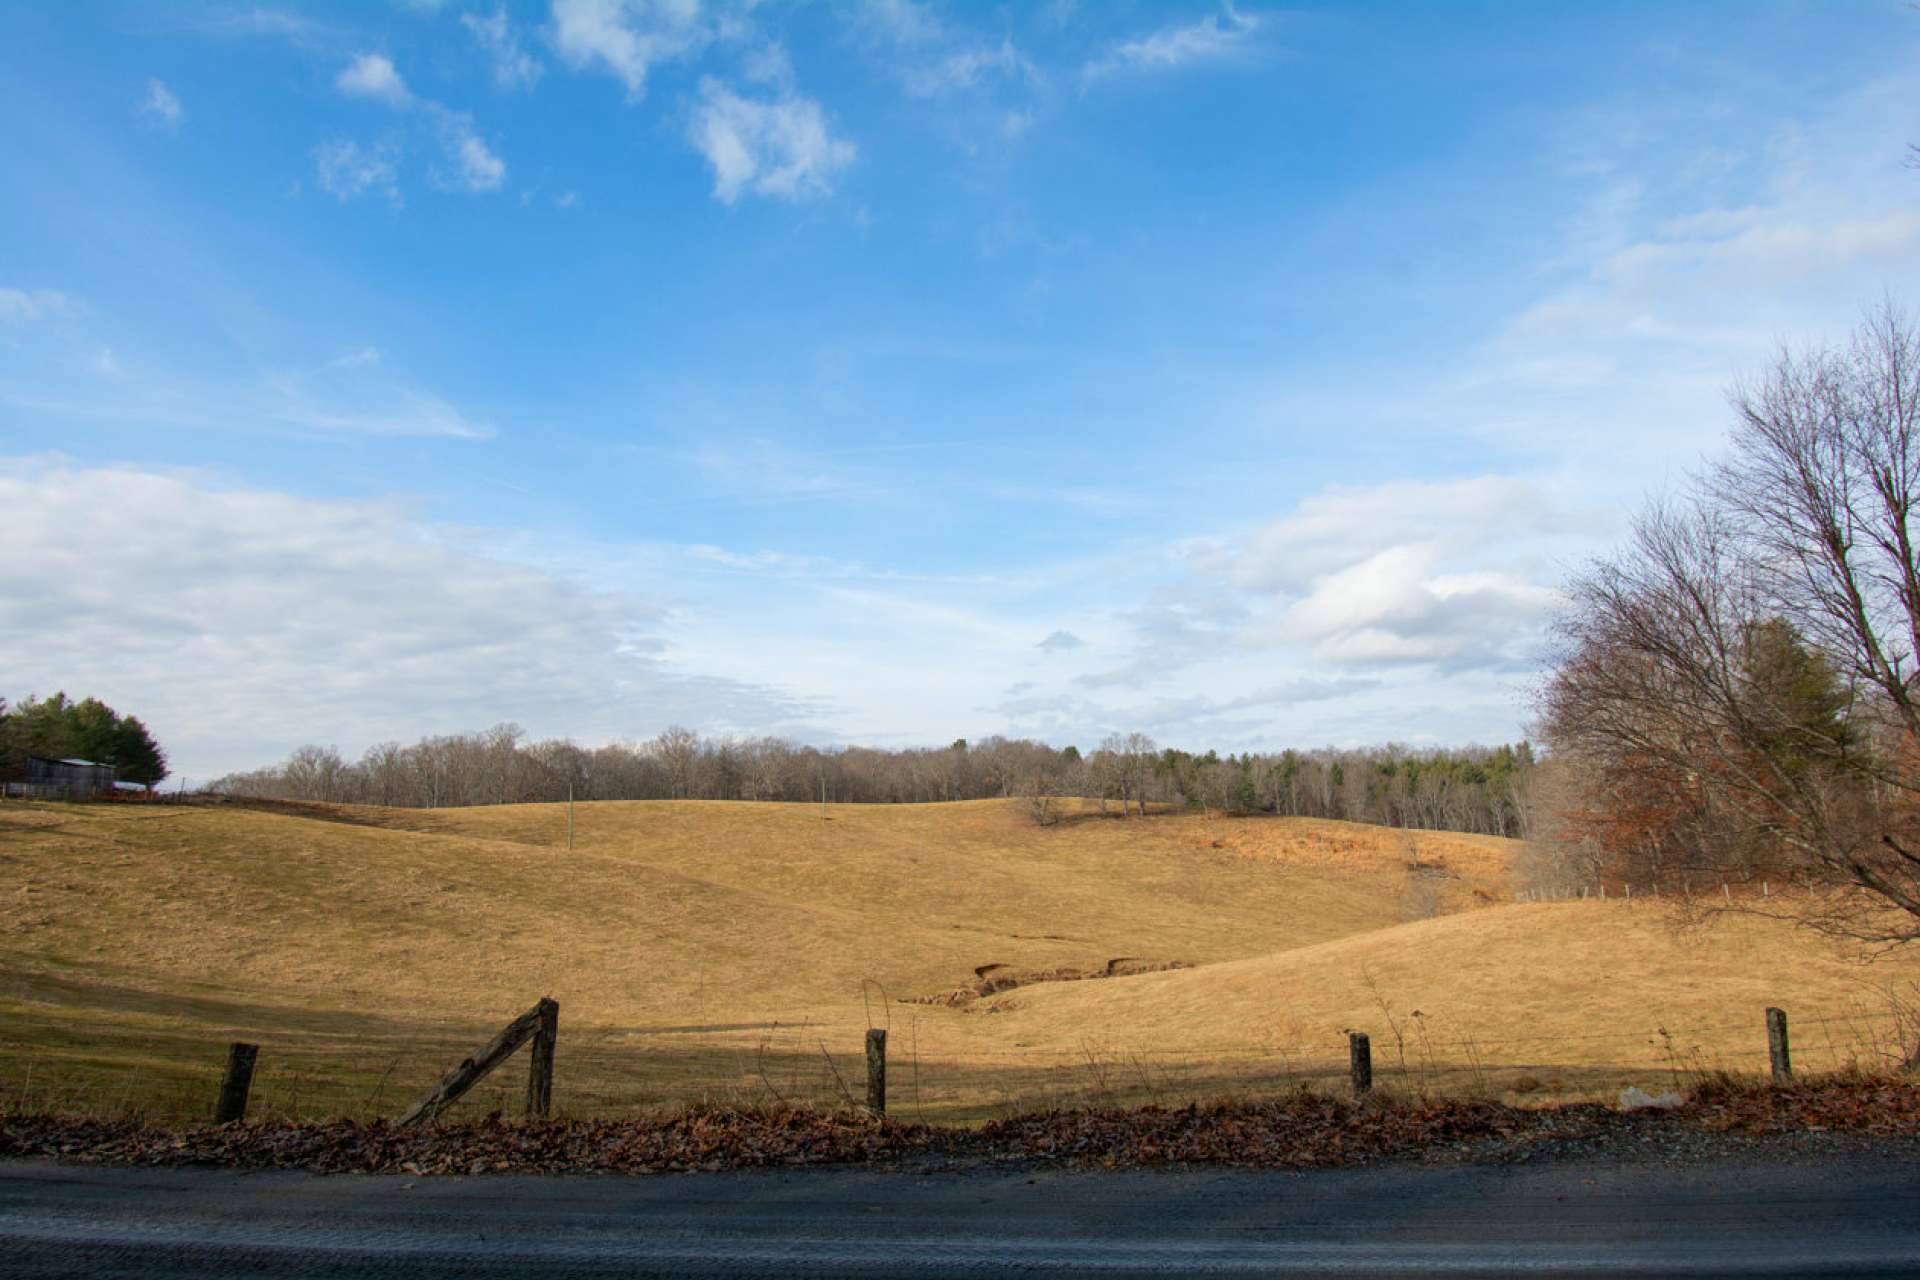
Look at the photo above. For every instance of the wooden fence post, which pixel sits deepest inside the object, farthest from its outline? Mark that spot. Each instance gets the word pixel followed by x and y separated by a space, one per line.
pixel 540 1066
pixel 1360 1061
pixel 474 1069
pixel 1777 1045
pixel 237 1083
pixel 877 1071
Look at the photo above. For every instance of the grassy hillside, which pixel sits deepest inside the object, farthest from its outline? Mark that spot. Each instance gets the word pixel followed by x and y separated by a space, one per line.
pixel 739 949
pixel 1561 997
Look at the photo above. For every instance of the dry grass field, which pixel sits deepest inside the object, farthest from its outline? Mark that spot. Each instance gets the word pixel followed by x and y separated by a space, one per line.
pixel 739 951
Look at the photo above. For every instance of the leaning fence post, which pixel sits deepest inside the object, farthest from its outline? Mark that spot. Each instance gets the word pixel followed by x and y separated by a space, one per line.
pixel 1360 1061
pixel 1777 1044
pixel 540 1060
pixel 237 1083
pixel 543 1016
pixel 877 1071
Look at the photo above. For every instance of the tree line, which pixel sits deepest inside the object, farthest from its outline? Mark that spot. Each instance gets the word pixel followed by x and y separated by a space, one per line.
pixel 59 728
pixel 1471 789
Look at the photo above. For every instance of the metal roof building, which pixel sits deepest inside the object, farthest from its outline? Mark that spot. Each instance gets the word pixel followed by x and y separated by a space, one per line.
pixel 67 777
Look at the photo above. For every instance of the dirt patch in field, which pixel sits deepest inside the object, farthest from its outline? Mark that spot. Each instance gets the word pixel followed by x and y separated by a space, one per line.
pixel 992 979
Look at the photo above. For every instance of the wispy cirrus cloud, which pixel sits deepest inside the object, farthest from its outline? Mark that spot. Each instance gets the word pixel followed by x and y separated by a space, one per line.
pixel 161 107
pixel 261 21
pixel 513 67
pixel 55 369
pixel 26 306
pixel 1223 36
pixel 931 56
pixel 347 169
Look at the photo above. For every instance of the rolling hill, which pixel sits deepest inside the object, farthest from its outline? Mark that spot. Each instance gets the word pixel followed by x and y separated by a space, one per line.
pixel 708 949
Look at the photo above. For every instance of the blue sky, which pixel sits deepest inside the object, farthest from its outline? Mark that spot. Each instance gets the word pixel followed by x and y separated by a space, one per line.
pixel 887 372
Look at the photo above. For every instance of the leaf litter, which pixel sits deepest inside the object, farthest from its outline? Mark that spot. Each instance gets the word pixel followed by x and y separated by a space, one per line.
pixel 1301 1131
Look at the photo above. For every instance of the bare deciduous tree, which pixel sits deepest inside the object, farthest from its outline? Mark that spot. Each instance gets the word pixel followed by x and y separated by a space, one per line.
pixel 1738 683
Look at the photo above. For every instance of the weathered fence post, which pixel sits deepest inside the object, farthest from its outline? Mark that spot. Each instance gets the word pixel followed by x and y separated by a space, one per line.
pixel 877 1071
pixel 237 1083
pixel 543 1017
pixel 1360 1061
pixel 540 1066
pixel 1777 1044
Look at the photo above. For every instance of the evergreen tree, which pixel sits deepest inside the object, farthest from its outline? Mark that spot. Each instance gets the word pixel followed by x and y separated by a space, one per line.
pixel 12 754
pixel 44 727
pixel 136 756
pixel 58 728
pixel 93 728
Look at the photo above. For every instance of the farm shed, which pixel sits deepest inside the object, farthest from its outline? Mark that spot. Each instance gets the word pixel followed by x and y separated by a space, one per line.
pixel 67 777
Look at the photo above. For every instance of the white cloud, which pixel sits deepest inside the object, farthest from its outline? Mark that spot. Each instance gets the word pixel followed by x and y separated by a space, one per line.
pixel 903 21
pixel 161 107
pixel 1396 607
pixel 780 148
pixel 627 37
pixel 768 63
pixel 1782 230
pixel 988 86
pixel 352 394
pixel 268 23
pixel 1061 642
pixel 356 358
pixel 965 68
pixel 372 75
pixel 347 170
pixel 239 623
pixel 480 168
pixel 405 413
pixel 26 306
pixel 1340 526
pixel 355 393
pixel 1225 35
pixel 476 167
pixel 513 66
pixel 1444 572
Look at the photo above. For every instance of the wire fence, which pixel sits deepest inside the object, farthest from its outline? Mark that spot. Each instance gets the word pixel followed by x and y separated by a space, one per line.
pixel 942 1068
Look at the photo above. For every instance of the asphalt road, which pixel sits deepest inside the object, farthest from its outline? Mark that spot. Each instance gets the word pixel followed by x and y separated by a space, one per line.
pixel 1814 1217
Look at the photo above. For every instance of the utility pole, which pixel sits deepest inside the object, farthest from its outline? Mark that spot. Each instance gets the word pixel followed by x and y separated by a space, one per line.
pixel 569 815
